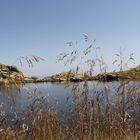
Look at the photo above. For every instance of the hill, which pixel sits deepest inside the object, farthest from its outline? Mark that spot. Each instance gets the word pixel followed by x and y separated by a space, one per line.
pixel 131 74
pixel 65 76
pixel 11 74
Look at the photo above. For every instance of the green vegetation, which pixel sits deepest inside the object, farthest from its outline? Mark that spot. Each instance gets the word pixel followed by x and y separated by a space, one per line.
pixel 132 74
pixel 129 74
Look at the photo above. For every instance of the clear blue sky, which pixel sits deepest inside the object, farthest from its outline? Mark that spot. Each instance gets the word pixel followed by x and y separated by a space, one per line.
pixel 42 27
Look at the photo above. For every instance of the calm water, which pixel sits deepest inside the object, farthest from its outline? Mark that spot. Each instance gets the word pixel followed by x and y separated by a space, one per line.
pixel 58 94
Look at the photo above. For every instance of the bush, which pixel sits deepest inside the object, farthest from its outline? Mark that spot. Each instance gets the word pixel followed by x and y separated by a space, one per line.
pixel 13 68
pixel 34 77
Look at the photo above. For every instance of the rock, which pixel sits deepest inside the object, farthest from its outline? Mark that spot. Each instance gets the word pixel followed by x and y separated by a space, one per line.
pixel 28 79
pixel 10 74
pixel 64 77
pixel 3 67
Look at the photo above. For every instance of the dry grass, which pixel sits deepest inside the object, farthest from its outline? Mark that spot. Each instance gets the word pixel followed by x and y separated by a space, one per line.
pixel 90 116
pixel 93 116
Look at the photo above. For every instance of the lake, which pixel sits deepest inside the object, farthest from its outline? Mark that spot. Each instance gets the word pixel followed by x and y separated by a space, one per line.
pixel 63 96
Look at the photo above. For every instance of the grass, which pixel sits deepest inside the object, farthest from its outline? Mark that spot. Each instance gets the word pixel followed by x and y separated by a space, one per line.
pixel 89 116
pixel 127 75
pixel 130 74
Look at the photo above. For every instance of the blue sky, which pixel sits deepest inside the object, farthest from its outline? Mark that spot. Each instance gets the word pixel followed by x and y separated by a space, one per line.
pixel 42 28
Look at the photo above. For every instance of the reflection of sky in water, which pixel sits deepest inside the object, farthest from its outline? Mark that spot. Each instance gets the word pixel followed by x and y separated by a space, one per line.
pixel 58 93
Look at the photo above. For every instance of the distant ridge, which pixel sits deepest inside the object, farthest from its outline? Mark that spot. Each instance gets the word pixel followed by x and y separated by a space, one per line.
pixel 131 74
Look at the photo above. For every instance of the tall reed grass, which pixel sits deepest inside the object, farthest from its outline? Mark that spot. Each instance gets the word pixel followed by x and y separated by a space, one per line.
pixel 92 115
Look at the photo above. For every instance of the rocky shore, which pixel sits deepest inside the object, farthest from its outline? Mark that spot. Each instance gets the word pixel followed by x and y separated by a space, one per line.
pixel 65 77
pixel 131 74
pixel 11 74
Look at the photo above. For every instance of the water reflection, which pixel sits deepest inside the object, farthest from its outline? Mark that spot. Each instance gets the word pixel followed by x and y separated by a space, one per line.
pixel 17 98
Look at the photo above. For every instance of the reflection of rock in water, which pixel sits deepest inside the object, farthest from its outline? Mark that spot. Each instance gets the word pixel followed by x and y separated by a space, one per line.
pixel 103 103
pixel 7 88
pixel 11 104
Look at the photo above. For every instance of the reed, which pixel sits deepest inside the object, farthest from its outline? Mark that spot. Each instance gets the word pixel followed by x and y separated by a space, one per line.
pixel 92 115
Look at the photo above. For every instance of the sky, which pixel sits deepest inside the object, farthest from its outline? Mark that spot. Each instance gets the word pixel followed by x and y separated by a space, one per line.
pixel 42 28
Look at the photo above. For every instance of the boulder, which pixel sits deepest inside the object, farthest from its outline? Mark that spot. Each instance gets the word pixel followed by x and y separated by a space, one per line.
pixel 10 74
pixel 65 76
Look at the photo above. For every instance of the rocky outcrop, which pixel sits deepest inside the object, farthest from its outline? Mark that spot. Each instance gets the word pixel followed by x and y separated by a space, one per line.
pixel 64 77
pixel 10 74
